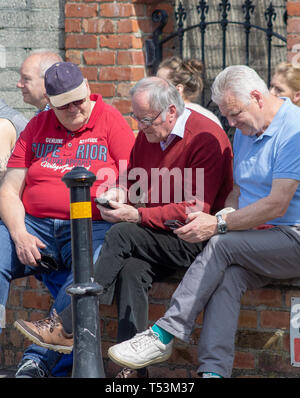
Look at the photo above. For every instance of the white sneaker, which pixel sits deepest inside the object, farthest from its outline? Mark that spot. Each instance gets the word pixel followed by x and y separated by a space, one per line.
pixel 142 350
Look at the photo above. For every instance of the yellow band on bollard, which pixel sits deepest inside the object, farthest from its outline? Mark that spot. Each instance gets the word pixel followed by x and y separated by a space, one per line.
pixel 80 210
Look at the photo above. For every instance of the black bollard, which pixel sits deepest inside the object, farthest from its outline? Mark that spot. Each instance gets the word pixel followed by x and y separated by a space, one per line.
pixel 87 358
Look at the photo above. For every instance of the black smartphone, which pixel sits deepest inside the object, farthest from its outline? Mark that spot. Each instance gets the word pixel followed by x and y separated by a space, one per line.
pixel 103 202
pixel 173 224
pixel 48 261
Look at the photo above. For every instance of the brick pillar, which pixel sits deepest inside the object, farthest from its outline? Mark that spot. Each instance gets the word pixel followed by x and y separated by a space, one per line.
pixel 106 40
pixel 293 31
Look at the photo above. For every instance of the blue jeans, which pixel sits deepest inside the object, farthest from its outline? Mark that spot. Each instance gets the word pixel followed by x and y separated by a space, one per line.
pixel 56 234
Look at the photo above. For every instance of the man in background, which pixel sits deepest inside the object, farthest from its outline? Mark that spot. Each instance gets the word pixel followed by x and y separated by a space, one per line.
pixel 32 73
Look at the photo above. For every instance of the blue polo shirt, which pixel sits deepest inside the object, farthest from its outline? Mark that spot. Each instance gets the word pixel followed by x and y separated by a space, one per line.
pixel 274 154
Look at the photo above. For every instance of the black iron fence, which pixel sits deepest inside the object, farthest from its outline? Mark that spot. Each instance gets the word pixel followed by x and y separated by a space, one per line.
pixel 154 47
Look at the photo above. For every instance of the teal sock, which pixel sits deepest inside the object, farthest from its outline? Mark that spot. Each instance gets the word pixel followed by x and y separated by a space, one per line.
pixel 211 375
pixel 164 336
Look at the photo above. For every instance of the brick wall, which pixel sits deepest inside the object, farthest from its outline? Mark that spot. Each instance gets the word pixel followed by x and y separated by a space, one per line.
pixel 293 31
pixel 28 299
pixel 263 313
pixel 106 40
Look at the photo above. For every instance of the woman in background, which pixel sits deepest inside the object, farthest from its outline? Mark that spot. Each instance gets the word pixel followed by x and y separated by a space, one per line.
pixel 186 77
pixel 286 82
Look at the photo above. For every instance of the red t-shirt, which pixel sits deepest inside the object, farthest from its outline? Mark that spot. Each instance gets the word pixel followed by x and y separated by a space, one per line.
pixel 204 146
pixel 49 151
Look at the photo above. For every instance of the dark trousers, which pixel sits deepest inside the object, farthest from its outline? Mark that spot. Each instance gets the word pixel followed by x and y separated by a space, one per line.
pixel 131 259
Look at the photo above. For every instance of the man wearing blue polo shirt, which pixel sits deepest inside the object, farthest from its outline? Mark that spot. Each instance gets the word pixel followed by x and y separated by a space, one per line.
pixel 247 247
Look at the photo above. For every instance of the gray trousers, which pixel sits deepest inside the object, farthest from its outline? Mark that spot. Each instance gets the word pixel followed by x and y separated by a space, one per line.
pixel 215 282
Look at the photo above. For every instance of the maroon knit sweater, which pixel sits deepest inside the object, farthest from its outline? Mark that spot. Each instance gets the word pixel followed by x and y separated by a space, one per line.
pixel 204 146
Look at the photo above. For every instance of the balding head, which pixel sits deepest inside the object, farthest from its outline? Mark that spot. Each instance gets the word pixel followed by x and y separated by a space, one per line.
pixel 32 74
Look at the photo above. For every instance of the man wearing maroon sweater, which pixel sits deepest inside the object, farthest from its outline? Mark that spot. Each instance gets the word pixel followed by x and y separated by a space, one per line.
pixel 181 162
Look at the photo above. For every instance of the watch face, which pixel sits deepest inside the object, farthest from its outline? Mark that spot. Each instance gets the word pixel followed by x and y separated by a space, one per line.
pixel 222 226
pixel 223 229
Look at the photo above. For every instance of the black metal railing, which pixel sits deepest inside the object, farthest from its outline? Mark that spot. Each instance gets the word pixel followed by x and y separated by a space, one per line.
pixel 154 46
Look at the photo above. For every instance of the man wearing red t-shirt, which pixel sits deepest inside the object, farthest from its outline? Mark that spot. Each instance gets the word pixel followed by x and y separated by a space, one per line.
pixel 79 130
pixel 181 162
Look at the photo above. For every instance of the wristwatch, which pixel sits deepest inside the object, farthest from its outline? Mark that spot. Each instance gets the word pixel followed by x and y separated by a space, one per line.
pixel 221 224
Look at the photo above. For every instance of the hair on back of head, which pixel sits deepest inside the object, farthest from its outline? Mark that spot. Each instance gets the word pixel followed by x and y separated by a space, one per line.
pixel 291 73
pixel 186 72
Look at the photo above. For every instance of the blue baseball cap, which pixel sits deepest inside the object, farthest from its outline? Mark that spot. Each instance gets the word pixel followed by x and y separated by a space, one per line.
pixel 64 83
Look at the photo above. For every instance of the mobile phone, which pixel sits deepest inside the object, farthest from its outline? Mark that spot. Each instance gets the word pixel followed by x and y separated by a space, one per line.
pixel 103 202
pixel 48 261
pixel 173 224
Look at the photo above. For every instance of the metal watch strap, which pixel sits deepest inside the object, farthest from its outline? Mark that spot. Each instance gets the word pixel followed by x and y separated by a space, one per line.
pixel 221 224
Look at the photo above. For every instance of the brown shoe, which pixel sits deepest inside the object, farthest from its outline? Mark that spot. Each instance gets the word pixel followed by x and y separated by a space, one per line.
pixel 48 333
pixel 127 373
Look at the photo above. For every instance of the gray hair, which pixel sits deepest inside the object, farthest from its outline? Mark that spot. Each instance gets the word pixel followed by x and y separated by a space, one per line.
pixel 47 59
pixel 161 94
pixel 240 80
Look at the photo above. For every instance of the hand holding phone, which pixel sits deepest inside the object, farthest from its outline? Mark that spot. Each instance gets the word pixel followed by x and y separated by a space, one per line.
pixel 103 202
pixel 173 224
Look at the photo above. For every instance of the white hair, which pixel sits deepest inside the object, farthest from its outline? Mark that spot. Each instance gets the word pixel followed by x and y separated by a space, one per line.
pixel 240 80
pixel 161 94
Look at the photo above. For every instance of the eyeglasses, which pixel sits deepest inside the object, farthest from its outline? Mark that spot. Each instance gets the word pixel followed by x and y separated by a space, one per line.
pixel 146 121
pixel 76 103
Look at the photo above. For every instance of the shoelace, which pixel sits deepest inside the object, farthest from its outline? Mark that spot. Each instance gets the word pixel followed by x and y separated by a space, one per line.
pixel 143 340
pixel 49 323
pixel 32 364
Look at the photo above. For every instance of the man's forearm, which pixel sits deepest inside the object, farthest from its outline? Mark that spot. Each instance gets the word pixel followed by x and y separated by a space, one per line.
pixel 266 209
pixel 12 213
pixel 252 216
